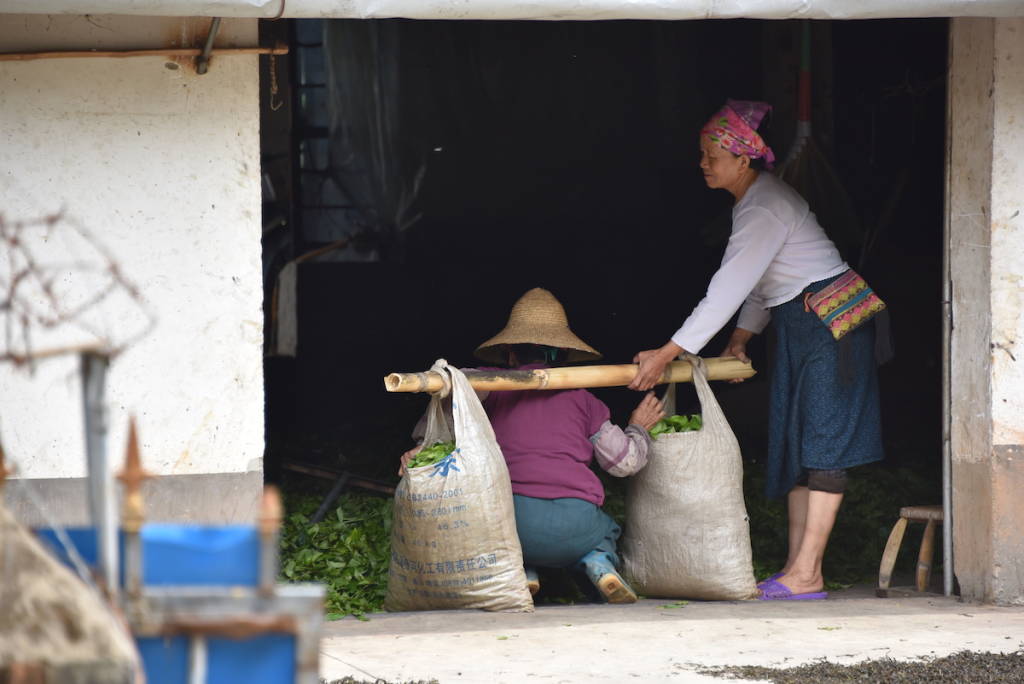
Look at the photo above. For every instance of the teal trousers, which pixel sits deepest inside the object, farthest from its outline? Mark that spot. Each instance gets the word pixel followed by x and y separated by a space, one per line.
pixel 557 533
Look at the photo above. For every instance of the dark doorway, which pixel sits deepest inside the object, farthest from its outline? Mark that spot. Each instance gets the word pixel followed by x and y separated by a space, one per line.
pixel 563 155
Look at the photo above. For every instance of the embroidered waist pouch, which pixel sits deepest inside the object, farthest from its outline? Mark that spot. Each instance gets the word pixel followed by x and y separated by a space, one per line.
pixel 845 304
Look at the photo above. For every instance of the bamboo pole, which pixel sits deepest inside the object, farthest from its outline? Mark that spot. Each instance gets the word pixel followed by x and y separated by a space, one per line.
pixel 574 377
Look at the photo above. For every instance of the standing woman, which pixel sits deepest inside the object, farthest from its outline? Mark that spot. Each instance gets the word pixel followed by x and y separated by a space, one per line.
pixel 824 410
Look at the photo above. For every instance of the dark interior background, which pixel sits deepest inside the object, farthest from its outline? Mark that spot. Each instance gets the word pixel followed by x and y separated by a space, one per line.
pixel 564 155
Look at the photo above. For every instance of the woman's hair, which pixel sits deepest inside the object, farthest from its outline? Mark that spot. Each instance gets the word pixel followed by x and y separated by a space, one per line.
pixel 537 353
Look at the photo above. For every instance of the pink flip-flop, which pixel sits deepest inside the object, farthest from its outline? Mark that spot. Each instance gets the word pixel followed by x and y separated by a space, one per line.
pixel 773 590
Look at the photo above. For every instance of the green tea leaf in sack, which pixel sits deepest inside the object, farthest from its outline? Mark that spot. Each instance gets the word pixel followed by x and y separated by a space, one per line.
pixel 673 424
pixel 431 455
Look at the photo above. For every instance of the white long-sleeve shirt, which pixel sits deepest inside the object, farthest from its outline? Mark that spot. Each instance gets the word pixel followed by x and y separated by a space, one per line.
pixel 775 250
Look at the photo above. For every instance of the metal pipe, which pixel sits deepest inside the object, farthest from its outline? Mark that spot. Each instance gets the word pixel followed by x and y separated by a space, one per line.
pixel 307 648
pixel 270 534
pixel 197 660
pixel 132 518
pixel 102 498
pixel 332 496
pixel 947 332
pixel 203 60
pixel 133 568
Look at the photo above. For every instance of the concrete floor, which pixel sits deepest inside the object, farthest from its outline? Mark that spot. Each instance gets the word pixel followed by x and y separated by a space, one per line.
pixel 658 640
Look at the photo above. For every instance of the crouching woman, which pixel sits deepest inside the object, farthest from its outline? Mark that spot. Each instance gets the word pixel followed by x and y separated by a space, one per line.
pixel 550 438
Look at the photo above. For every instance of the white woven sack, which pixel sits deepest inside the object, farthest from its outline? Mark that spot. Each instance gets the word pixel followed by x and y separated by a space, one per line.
pixel 687 533
pixel 453 537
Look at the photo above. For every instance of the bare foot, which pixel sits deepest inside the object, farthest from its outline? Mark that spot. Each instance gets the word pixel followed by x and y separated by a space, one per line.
pixel 802 584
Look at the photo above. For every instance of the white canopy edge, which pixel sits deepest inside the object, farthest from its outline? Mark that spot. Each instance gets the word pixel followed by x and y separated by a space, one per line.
pixel 529 9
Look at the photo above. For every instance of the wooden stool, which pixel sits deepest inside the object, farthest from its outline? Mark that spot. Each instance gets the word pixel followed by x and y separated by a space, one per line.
pixel 930 515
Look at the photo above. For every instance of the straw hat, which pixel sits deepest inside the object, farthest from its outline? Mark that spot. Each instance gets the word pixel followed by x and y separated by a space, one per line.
pixel 537 318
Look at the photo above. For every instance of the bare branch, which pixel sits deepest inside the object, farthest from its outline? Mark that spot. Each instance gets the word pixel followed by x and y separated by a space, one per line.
pixel 61 291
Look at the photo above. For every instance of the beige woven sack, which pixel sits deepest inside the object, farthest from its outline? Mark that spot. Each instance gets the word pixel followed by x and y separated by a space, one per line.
pixel 687 534
pixel 453 538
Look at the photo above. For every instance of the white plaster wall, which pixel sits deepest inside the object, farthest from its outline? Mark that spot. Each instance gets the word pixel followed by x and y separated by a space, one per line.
pixel 41 32
pixel 1008 234
pixel 163 166
pixel 986 253
pixel 970 180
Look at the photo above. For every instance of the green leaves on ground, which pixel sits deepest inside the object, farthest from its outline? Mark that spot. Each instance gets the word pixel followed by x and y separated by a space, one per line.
pixel 348 550
pixel 672 424
pixel 677 604
pixel 431 455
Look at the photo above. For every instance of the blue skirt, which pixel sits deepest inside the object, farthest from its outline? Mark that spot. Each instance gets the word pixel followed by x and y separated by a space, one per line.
pixel 816 420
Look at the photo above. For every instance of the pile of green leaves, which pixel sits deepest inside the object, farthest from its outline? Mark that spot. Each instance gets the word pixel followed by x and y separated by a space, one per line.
pixel 431 455
pixel 671 424
pixel 348 550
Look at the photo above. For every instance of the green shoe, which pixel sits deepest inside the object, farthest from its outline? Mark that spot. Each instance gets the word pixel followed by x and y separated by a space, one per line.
pixel 602 573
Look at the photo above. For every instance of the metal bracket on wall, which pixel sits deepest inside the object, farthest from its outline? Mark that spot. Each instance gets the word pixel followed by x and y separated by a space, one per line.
pixel 203 60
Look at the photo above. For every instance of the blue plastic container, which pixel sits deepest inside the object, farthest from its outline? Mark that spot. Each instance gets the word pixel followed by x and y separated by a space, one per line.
pixel 194 555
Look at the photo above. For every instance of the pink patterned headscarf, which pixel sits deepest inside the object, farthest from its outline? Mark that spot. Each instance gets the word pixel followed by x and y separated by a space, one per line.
pixel 733 127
